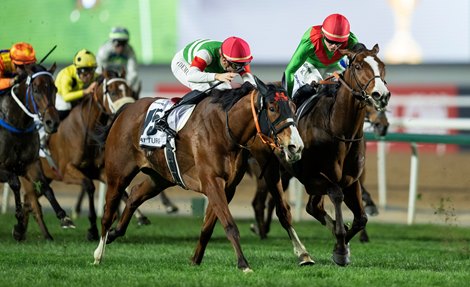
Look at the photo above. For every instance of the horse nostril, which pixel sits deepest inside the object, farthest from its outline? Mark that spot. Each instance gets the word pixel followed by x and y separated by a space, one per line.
pixel 294 149
pixel 376 96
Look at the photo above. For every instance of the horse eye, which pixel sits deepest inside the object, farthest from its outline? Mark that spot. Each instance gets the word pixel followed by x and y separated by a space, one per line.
pixel 272 109
pixel 357 66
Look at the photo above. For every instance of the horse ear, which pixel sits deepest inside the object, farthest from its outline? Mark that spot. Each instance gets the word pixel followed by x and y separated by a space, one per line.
pixel 52 68
pixel 105 73
pixel 346 52
pixel 376 49
pixel 261 86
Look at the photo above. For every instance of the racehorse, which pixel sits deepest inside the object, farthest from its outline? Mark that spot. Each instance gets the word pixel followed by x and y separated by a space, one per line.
pixel 263 204
pixel 334 153
pixel 24 108
pixel 76 156
pixel 212 153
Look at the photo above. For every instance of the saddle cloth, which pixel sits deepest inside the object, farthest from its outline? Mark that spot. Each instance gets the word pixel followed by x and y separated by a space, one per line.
pixel 176 121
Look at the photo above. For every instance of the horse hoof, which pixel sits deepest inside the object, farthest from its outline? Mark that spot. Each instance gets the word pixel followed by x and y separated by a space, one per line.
pixel 18 233
pixel 364 238
pixel 254 228
pixel 247 270
pixel 171 209
pixel 67 223
pixel 342 259
pixel 92 235
pixel 143 221
pixel 305 260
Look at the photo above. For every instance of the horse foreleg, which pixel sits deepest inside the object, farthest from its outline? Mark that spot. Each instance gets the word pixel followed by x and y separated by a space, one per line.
pixel 259 205
pixel 19 230
pixel 139 194
pixel 341 251
pixel 285 217
pixel 315 207
pixel 207 229
pixel 214 188
pixel 31 203
pixel 353 200
pixel 78 206
pixel 369 204
pixel 141 218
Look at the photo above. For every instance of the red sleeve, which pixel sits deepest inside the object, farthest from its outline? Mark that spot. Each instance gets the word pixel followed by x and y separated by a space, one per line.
pixel 246 70
pixel 199 63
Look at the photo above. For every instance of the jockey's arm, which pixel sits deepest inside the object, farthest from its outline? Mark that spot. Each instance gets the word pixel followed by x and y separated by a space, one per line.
pixel 196 72
pixel 131 70
pixel 247 76
pixel 298 59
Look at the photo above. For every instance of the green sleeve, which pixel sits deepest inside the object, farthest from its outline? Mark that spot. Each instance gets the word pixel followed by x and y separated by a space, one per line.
pixel 301 54
pixel 352 40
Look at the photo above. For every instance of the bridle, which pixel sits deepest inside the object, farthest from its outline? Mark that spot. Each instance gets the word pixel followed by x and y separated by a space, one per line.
pixel 267 134
pixel 35 114
pixel 106 100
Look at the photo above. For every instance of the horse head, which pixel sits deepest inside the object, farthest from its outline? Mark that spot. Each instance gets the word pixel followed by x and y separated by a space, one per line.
pixel 276 121
pixel 378 120
pixel 113 92
pixel 366 75
pixel 39 96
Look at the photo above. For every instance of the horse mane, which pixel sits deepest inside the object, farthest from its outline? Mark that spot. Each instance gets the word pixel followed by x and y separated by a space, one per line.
pixel 228 98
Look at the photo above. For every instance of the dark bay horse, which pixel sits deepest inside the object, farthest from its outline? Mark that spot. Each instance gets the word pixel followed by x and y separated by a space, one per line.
pixel 212 153
pixel 334 153
pixel 263 204
pixel 77 157
pixel 23 109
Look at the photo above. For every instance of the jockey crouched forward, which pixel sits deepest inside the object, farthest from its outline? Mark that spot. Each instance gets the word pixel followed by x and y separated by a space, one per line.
pixel 75 82
pixel 13 62
pixel 203 64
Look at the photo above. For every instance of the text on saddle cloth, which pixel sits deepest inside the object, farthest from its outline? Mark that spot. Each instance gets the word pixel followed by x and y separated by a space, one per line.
pixel 153 135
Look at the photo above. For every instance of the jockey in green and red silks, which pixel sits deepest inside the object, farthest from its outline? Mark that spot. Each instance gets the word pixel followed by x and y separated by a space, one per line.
pixel 317 55
pixel 205 63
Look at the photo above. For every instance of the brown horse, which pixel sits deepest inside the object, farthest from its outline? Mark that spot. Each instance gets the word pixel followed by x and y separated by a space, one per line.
pixel 334 154
pixel 263 204
pixel 212 153
pixel 24 108
pixel 76 156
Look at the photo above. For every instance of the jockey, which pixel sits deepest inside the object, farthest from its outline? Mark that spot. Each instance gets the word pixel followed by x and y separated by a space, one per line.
pixel 317 55
pixel 203 63
pixel 117 54
pixel 12 64
pixel 75 81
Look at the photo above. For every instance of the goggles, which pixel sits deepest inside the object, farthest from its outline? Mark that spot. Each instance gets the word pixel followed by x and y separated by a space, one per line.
pixel 337 44
pixel 119 43
pixel 238 67
pixel 81 71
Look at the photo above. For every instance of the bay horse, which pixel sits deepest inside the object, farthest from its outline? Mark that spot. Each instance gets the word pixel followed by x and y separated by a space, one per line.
pixel 334 154
pixel 212 153
pixel 263 205
pixel 24 108
pixel 77 157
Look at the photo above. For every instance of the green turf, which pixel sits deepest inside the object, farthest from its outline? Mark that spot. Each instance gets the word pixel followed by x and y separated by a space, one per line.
pixel 159 255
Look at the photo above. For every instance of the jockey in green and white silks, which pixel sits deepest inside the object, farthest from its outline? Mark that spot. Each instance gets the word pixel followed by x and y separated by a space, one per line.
pixel 204 63
pixel 317 56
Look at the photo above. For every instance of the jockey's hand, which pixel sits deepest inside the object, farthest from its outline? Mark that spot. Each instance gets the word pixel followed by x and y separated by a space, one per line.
pixel 91 89
pixel 225 77
pixel 19 78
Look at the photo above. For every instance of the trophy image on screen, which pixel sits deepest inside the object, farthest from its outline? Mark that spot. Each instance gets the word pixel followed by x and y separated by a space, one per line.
pixel 403 49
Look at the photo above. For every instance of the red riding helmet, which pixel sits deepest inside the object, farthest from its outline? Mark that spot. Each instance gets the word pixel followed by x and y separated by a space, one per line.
pixel 236 50
pixel 336 28
pixel 22 54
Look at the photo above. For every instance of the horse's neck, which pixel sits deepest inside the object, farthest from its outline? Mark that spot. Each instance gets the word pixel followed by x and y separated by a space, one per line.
pixel 241 121
pixel 348 114
pixel 91 112
pixel 14 114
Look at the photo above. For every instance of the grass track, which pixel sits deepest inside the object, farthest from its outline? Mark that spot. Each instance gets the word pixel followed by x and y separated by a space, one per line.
pixel 158 255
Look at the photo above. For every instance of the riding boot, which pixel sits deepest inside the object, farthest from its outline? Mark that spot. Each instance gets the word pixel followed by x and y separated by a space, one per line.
pixel 303 93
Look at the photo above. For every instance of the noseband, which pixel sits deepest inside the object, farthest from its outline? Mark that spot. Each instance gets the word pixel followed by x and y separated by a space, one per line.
pixel 107 98
pixel 275 127
pixel 36 115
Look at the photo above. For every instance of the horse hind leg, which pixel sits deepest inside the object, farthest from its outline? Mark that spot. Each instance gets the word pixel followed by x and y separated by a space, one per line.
pixel 259 205
pixel 170 207
pixel 353 201
pixel 31 203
